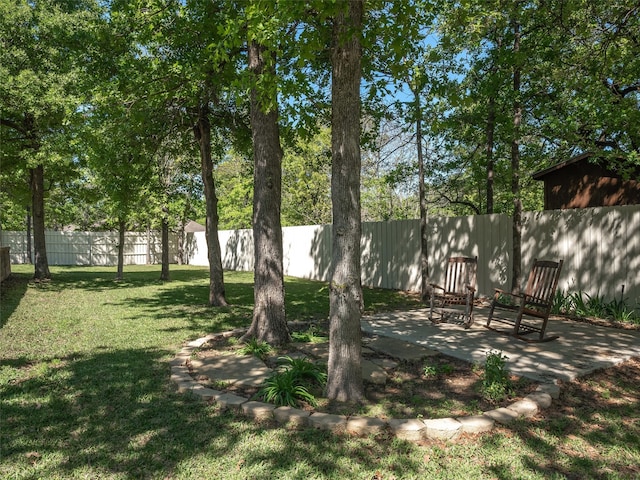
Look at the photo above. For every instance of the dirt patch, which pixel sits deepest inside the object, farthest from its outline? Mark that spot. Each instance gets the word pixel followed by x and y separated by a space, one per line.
pixel 435 387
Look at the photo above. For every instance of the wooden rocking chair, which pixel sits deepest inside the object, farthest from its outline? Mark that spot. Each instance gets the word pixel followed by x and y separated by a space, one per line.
pixel 534 303
pixel 459 289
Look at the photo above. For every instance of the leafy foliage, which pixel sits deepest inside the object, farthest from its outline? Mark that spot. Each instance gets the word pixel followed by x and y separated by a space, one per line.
pixel 430 370
pixel 311 335
pixel 285 389
pixel 496 383
pixel 292 384
pixel 255 347
pixel 304 369
pixel 581 304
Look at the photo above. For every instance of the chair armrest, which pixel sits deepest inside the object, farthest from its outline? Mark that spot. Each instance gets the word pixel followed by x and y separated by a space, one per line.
pixel 517 298
pixel 499 291
pixel 435 286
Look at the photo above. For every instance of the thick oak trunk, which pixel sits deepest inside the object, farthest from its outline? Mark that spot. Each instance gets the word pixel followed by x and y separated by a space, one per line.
pixel 269 320
pixel 345 369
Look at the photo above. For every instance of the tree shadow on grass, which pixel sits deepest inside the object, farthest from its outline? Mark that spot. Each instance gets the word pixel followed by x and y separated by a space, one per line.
pixel 110 412
pixel 114 413
pixel 591 431
pixel 12 290
pixel 103 278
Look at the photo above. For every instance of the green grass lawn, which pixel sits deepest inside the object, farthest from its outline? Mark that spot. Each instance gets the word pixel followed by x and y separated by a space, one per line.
pixel 85 393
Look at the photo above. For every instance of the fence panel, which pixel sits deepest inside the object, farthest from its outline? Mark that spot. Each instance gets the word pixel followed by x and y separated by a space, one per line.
pixel 92 248
pixel 17 242
pixel 68 248
pixel 599 246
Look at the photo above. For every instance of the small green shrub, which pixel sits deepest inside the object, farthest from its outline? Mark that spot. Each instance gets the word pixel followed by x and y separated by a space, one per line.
pixel 255 347
pixel 496 384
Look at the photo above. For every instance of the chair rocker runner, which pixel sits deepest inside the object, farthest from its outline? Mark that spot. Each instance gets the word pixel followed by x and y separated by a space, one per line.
pixel 532 308
pixel 459 290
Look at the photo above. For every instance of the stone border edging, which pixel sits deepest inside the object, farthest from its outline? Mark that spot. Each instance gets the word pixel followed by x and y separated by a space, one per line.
pixel 412 429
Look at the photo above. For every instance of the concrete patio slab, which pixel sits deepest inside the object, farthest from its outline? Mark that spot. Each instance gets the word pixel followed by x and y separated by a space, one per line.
pixel 580 349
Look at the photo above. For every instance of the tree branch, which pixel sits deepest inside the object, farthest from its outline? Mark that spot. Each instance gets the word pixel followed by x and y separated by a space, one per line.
pixel 13 125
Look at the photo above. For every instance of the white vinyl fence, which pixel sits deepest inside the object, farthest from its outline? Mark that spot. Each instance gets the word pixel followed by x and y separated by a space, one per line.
pixel 91 248
pixel 600 248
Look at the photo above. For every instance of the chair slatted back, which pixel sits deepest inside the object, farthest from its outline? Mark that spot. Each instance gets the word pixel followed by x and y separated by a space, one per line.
pixel 461 271
pixel 543 280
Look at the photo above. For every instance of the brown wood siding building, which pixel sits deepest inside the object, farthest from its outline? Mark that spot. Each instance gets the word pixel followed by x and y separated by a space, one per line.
pixel 580 183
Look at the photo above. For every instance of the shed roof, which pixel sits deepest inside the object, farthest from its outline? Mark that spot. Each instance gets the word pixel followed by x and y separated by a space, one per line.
pixel 539 175
pixel 192 226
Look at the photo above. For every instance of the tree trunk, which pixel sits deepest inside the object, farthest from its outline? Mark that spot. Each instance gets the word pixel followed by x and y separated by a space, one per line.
pixel 515 167
pixel 202 132
pixel 182 236
pixel 181 240
pixel 148 244
pixel 122 226
pixel 424 239
pixel 491 126
pixel 29 256
pixel 269 320
pixel 41 264
pixel 344 381
pixel 164 272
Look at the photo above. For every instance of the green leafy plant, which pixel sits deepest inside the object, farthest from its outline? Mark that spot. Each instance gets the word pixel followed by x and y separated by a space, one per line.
pixel 596 306
pixel 292 384
pixel 561 303
pixel 304 370
pixel 256 348
pixel 496 384
pixel 620 312
pixel 430 371
pixel 311 335
pixel 582 304
pixel 434 370
pixel 284 389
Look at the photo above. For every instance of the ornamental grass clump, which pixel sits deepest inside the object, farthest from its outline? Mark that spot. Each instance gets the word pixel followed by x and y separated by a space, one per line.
pixel 293 382
pixel 255 347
